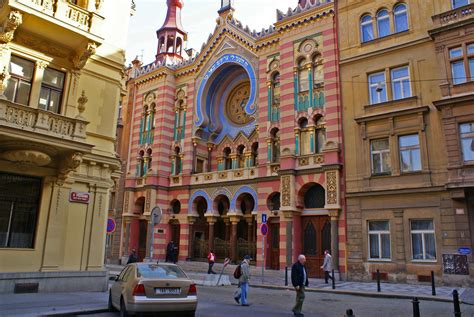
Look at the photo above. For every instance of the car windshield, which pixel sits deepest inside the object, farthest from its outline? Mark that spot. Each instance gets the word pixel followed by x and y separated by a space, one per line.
pixel 159 271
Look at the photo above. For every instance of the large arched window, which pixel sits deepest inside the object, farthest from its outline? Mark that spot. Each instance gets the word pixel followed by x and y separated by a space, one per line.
pixel 141 164
pixel 178 162
pixel 303 78
pixel 318 71
pixel 320 134
pixel 227 159
pixel 315 197
pixel 170 44
pixel 383 23
pixel 366 28
pixel 240 156
pixel 400 14
pixel 254 157
pixel 305 136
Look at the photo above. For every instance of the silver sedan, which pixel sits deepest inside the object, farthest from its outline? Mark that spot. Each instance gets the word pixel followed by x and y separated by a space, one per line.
pixel 153 288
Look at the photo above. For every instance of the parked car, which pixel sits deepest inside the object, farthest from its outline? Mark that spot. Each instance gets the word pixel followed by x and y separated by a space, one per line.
pixel 153 288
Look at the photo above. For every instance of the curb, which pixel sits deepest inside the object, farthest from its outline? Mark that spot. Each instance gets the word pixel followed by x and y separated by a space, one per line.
pixel 83 311
pixel 362 293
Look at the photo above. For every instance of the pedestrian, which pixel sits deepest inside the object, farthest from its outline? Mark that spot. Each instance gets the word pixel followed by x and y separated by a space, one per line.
pixel 211 258
pixel 299 279
pixel 133 257
pixel 327 266
pixel 170 251
pixel 243 282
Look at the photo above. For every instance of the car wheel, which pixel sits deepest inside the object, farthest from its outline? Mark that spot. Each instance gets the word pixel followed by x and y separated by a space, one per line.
pixel 123 309
pixel 110 306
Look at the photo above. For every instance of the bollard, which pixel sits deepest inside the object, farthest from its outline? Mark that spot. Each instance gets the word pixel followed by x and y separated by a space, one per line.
pixel 416 307
pixel 378 281
pixel 349 313
pixel 457 307
pixel 333 280
pixel 433 287
pixel 286 275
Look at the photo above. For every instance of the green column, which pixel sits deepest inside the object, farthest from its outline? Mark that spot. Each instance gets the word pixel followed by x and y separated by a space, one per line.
pixel 270 102
pixel 296 89
pixel 310 78
pixel 176 118
pixel 297 144
pixel 311 140
pixel 183 127
pixel 269 152
pixel 173 172
pixel 142 126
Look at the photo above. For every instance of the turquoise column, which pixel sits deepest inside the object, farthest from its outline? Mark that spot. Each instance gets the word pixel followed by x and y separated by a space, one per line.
pixel 234 163
pixel 176 118
pixel 142 126
pixel 295 88
pixel 270 102
pixel 220 166
pixel 183 127
pixel 269 152
pixel 311 141
pixel 310 78
pixel 173 172
pixel 297 144
pixel 322 99
pixel 152 120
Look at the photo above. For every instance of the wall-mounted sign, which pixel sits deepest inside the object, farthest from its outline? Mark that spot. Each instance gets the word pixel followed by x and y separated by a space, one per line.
pixel 464 250
pixel 79 197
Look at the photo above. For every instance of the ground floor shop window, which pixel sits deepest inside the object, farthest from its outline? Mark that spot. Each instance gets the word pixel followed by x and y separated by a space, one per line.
pixel 379 240
pixel 423 240
pixel 19 202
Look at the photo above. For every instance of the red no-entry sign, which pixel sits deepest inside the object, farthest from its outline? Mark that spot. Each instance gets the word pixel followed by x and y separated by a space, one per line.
pixel 264 229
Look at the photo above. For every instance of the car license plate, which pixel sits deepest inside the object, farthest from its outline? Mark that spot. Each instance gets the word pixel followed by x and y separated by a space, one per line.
pixel 167 291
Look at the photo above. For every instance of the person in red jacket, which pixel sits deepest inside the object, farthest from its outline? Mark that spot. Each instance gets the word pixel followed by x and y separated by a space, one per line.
pixel 211 258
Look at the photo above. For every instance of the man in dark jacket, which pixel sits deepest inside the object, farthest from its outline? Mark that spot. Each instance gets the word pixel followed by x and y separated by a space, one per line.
pixel 299 279
pixel 170 251
pixel 133 257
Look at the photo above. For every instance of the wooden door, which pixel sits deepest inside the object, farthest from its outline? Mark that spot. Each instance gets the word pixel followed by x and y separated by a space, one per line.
pixel 142 238
pixel 316 237
pixel 274 246
pixel 175 232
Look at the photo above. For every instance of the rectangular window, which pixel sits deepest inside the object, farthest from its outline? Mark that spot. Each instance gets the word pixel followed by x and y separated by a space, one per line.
pixel 467 141
pixel 457 65
pixel 51 90
pixel 410 156
pixel 379 240
pixel 400 83
pixel 470 60
pixel 19 84
pixel 19 203
pixel 423 240
pixel 199 166
pixel 459 3
pixel 377 88
pixel 380 153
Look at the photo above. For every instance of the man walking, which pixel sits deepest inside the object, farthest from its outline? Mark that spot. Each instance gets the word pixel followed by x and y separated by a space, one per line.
pixel 299 279
pixel 170 251
pixel 244 280
pixel 327 266
pixel 211 258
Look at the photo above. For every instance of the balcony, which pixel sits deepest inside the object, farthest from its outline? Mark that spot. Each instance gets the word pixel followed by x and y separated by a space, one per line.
pixel 310 161
pixel 57 21
pixel 224 176
pixel 452 17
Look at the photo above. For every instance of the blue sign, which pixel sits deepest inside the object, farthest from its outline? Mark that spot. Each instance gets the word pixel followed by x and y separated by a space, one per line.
pixel 464 250
pixel 264 218
pixel 111 225
pixel 264 229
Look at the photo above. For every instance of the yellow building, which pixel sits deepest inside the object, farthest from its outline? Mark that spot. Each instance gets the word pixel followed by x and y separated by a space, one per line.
pixel 61 67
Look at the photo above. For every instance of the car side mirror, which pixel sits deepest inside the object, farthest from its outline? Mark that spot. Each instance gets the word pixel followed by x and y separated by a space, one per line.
pixel 113 277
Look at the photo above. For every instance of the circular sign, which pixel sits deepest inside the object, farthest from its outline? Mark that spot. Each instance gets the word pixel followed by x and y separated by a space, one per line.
pixel 156 215
pixel 264 229
pixel 111 225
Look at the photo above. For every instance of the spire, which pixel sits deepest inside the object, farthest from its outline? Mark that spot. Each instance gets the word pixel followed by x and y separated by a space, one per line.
pixel 171 36
pixel 226 5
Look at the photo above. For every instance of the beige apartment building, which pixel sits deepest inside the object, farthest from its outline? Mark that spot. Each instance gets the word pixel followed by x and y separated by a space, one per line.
pixel 61 67
pixel 405 125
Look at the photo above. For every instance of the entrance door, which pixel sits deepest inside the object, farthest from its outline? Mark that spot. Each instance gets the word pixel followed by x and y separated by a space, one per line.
pixel 142 237
pixel 175 232
pixel 316 232
pixel 274 246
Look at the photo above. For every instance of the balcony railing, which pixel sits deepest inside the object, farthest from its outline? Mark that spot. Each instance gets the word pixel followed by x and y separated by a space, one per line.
pixel 42 122
pixel 310 161
pixel 454 16
pixel 64 11
pixel 224 176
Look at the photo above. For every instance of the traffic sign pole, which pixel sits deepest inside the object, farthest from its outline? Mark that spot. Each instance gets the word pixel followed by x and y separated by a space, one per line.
pixel 264 232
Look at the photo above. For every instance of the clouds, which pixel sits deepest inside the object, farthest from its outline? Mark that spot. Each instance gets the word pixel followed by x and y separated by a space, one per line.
pixel 199 19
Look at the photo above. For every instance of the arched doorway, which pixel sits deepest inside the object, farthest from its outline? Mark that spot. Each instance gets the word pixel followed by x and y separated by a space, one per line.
pixel 142 227
pixel 247 227
pixel 315 230
pixel 273 253
pixel 201 230
pixel 221 227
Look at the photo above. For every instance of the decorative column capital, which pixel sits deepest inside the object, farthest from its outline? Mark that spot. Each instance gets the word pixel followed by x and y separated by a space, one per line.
pixel 210 146
pixel 334 213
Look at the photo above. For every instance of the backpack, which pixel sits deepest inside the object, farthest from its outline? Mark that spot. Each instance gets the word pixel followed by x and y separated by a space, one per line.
pixel 238 272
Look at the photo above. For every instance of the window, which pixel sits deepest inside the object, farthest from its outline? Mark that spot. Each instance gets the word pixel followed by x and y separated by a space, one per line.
pixel 303 77
pixel 19 202
pixel 460 3
pixel 51 90
pixel 467 141
pixel 380 153
pixel 457 65
pixel 470 56
pixel 199 166
pixel 400 83
pixel 366 28
pixel 379 240
pixel 377 88
pixel 21 77
pixel 410 157
pixel 400 18
pixel 383 23
pixel 423 240
pixel 318 71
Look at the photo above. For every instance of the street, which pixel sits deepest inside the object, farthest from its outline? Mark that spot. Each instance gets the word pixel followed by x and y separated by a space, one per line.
pixel 218 302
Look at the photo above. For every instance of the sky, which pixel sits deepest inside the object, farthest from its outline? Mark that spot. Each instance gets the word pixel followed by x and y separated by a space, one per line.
pixel 199 20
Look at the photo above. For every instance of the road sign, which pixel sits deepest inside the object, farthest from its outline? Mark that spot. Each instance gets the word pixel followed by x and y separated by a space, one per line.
pixel 464 251
pixel 156 215
pixel 264 218
pixel 111 225
pixel 264 229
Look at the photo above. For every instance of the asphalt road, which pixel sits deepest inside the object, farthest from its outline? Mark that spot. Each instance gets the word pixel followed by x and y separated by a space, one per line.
pixel 218 302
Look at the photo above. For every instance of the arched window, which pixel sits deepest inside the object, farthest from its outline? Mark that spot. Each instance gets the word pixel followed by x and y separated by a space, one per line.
pixel 170 44
pixel 179 45
pixel 176 206
pixel 180 119
pixel 383 23
pixel 366 28
pixel 320 134
pixel 318 71
pixel 227 159
pixel 147 165
pixel 240 156
pixel 303 78
pixel 178 164
pixel 305 137
pixel 315 197
pixel 141 164
pixel 254 154
pixel 275 145
pixel 161 45
pixel 276 89
pixel 400 13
